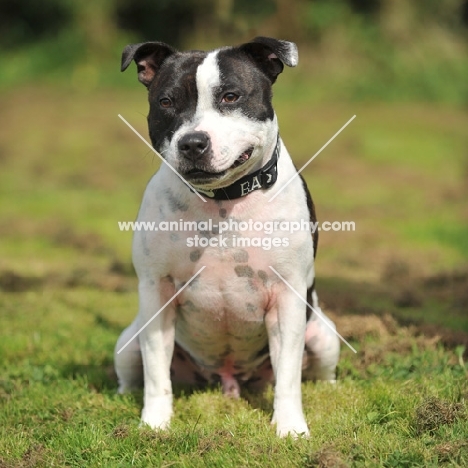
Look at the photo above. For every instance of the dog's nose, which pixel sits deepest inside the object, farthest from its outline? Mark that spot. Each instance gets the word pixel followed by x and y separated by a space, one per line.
pixel 194 145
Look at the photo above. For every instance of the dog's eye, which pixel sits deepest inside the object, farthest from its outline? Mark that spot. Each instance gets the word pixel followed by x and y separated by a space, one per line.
pixel 230 97
pixel 165 102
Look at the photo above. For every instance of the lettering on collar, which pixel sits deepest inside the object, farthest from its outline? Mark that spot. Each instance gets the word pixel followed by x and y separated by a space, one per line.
pixel 262 179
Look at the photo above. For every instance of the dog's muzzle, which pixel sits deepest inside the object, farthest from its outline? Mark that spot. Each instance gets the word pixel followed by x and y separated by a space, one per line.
pixel 196 151
pixel 194 146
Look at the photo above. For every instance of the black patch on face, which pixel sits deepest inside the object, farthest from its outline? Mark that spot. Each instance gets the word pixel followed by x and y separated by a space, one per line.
pixel 242 76
pixel 176 81
pixel 222 213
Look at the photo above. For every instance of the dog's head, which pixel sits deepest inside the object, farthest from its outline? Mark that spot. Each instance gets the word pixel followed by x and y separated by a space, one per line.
pixel 211 115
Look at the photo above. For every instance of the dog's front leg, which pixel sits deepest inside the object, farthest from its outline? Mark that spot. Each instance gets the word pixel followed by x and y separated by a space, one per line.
pixel 286 325
pixel 157 347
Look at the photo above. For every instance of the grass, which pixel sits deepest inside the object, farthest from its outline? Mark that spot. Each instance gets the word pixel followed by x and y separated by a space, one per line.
pixel 396 288
pixel 399 399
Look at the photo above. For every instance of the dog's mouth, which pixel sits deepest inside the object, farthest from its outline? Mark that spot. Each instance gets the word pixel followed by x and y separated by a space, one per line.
pixel 244 157
pixel 201 174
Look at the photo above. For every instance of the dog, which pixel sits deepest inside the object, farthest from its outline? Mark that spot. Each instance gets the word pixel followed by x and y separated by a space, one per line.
pixel 243 320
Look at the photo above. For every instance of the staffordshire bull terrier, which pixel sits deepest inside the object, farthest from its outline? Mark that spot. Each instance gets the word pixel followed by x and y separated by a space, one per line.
pixel 240 320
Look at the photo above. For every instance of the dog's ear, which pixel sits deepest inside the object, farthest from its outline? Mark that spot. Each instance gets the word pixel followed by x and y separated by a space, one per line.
pixel 271 55
pixel 148 56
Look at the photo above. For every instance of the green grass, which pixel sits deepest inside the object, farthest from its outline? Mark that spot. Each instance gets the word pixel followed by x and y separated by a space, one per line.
pixel 70 170
pixel 59 406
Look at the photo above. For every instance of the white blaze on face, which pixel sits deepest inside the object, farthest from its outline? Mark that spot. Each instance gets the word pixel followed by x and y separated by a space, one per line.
pixel 208 79
pixel 231 133
pixel 207 118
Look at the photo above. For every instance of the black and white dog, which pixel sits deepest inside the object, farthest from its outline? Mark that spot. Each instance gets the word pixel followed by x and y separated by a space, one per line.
pixel 238 321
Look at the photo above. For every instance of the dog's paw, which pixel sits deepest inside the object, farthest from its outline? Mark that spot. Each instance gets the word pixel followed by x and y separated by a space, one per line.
pixel 157 413
pixel 294 430
pixel 291 426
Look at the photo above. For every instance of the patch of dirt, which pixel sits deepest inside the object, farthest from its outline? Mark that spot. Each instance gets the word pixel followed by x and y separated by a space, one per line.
pixel 34 456
pixel 84 242
pixel 66 414
pixel 387 336
pixel 14 282
pixel 391 338
pixel 121 268
pixel 411 290
pixel 120 432
pixel 103 280
pixel 448 451
pixel 57 232
pixel 117 277
pixel 363 309
pixel 357 327
pixel 449 286
pixel 401 344
pixel 434 412
pixel 327 457
pixel 449 338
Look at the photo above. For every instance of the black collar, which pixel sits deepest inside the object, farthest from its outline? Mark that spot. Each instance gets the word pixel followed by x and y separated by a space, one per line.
pixel 262 179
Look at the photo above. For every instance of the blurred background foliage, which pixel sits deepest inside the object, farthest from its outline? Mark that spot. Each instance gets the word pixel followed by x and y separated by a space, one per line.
pixel 355 49
pixel 69 169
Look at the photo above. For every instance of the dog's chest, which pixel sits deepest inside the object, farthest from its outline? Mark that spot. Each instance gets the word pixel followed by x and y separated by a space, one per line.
pixel 220 314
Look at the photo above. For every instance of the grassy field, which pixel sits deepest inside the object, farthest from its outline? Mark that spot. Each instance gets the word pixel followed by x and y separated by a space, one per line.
pixel 397 288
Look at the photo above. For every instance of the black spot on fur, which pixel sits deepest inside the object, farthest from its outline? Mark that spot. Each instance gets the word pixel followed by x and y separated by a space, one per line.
pixel 251 286
pixel 174 203
pixel 175 79
pixel 244 271
pixel 241 256
pixel 250 307
pixel 312 215
pixel 263 276
pixel 195 255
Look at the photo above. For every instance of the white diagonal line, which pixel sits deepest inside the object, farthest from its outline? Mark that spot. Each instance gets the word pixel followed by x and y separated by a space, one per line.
pixel 160 157
pixel 162 308
pixel 320 314
pixel 312 158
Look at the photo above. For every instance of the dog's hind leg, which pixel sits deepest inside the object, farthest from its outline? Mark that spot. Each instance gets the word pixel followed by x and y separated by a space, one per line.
pixel 128 363
pixel 322 347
